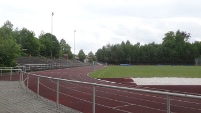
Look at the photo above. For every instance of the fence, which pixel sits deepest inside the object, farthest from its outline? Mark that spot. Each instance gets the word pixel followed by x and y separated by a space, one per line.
pixel 24 77
pixel 94 85
pixel 10 71
pixel 29 67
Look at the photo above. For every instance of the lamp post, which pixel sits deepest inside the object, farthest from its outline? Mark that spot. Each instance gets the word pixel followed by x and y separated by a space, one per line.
pixel 74 43
pixel 51 30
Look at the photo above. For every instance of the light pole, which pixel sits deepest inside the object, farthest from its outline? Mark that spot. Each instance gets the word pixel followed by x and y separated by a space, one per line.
pixel 74 43
pixel 51 30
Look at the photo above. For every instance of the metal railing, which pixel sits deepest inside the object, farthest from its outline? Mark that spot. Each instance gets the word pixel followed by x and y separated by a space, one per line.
pixel 94 85
pixel 29 67
pixel 10 71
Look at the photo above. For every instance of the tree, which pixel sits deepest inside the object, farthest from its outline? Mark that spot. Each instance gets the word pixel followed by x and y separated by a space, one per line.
pixel 91 57
pixel 81 55
pixel 65 49
pixel 197 47
pixel 29 43
pixel 50 45
pixel 175 49
pixel 6 30
pixel 100 55
pixel 9 49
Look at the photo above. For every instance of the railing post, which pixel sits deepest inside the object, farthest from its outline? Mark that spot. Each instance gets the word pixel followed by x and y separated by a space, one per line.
pixel 57 93
pixel 1 72
pixel 94 101
pixel 11 72
pixel 22 75
pixel 168 104
pixel 28 80
pixel 38 83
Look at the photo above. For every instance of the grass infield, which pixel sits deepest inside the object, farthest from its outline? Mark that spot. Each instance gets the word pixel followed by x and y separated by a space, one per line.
pixel 147 71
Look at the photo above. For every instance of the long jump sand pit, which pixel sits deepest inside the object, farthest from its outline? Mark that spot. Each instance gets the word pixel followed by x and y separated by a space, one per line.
pixel 167 81
pixel 172 84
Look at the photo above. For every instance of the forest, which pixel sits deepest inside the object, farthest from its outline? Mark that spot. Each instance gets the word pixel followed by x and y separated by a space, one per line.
pixel 175 49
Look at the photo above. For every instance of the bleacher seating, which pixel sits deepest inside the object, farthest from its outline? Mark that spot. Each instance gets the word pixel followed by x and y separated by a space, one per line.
pixel 38 63
pixel 30 60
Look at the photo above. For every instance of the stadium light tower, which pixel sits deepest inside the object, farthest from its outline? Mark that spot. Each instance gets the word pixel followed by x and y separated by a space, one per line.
pixel 51 30
pixel 74 43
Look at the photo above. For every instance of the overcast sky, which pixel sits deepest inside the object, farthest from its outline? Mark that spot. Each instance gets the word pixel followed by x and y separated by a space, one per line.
pixel 101 22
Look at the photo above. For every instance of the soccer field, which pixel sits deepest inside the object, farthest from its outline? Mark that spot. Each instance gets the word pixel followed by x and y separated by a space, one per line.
pixel 147 71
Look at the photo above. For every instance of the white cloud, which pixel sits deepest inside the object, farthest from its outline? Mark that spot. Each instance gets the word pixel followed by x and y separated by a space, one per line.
pixel 100 22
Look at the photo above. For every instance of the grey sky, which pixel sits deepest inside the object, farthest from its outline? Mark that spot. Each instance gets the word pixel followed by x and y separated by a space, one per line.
pixel 99 22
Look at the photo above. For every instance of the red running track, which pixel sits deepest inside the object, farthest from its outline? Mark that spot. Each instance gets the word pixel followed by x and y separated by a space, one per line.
pixel 79 96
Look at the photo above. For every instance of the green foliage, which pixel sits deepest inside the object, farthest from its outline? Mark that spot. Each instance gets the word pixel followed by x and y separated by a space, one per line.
pixel 81 55
pixel 29 43
pixel 91 57
pixel 14 43
pixel 9 49
pixel 147 71
pixel 65 49
pixel 175 49
pixel 50 45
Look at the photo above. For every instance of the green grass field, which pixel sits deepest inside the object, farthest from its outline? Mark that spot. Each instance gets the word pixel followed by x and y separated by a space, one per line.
pixel 147 71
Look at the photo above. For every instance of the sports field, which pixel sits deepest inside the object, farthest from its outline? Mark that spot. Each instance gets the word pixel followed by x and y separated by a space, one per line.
pixel 147 71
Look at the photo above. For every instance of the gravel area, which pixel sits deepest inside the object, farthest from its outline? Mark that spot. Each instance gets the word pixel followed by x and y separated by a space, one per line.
pixel 167 81
pixel 16 98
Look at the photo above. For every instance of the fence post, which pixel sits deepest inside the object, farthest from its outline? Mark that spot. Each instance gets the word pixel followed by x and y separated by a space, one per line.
pixel 22 75
pixel 1 72
pixel 11 72
pixel 94 101
pixel 25 69
pixel 57 93
pixel 168 104
pixel 28 80
pixel 38 83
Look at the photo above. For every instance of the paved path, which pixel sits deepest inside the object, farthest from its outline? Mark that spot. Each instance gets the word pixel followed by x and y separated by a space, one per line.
pixel 16 98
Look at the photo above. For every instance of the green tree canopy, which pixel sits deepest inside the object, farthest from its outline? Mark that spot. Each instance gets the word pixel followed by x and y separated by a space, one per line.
pixel 81 55
pixel 175 49
pixel 29 43
pixel 91 57
pixel 65 49
pixel 50 45
pixel 9 49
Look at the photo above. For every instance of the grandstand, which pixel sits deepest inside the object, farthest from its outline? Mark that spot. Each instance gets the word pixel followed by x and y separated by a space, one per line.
pixel 31 60
pixel 42 63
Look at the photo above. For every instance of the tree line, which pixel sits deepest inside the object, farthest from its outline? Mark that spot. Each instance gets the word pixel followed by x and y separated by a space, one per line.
pixel 23 42
pixel 175 49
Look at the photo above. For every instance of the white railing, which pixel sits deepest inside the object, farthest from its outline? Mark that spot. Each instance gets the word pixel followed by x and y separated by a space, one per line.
pixel 29 67
pixel 10 71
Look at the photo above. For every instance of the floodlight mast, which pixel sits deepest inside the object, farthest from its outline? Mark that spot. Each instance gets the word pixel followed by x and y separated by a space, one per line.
pixel 74 43
pixel 51 30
